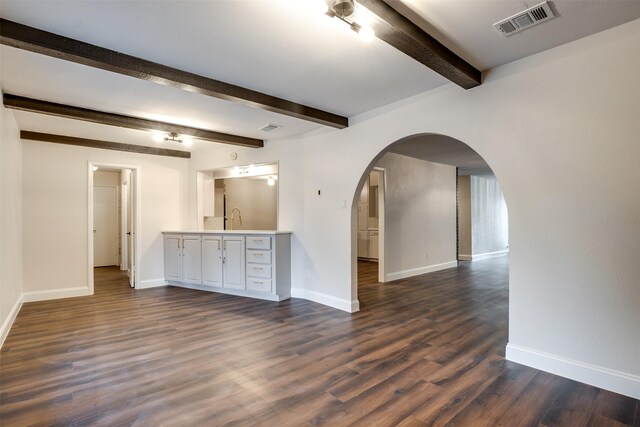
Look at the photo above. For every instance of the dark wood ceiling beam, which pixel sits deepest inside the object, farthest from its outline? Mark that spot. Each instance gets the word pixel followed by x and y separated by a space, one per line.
pixel 105 145
pixel 50 108
pixel 398 31
pixel 35 40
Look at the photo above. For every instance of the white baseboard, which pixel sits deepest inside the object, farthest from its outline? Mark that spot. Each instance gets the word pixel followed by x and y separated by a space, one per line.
pixel 420 270
pixel 331 301
pixel 479 257
pixel 228 291
pixel 8 322
pixel 55 294
pixel 597 376
pixel 151 283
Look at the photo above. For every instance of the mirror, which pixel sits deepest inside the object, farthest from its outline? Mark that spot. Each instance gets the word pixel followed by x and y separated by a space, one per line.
pixel 238 198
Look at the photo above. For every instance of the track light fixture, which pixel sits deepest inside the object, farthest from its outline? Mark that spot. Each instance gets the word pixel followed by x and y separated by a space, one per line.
pixel 345 10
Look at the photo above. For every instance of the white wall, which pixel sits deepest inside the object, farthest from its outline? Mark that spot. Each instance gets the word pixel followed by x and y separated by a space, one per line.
pixel 55 215
pixel 464 216
pixel 420 216
pixel 256 200
pixel 489 219
pixel 10 221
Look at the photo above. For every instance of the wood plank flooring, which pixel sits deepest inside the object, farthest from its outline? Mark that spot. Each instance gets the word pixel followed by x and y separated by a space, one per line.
pixel 425 351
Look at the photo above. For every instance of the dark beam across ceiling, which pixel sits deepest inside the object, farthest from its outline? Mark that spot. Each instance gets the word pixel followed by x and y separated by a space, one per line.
pixel 105 145
pixel 35 40
pixel 398 31
pixel 45 107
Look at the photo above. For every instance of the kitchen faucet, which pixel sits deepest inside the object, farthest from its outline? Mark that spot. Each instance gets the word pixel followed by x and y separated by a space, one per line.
pixel 233 217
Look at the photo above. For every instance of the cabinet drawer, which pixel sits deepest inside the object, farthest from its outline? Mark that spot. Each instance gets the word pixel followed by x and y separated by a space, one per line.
pixel 259 270
pixel 254 242
pixel 259 257
pixel 259 285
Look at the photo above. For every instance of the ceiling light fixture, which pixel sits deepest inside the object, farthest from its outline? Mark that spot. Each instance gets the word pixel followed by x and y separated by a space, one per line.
pixel 172 137
pixel 345 10
pixel 186 140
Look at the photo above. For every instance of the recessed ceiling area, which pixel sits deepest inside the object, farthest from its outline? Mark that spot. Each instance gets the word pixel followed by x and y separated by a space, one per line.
pixel 284 48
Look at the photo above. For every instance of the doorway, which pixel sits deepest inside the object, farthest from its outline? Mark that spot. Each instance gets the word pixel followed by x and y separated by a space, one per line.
pixel 113 207
pixel 422 229
pixel 106 204
pixel 371 205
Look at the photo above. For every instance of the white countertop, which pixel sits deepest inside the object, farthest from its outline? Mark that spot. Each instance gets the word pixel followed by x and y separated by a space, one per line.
pixel 254 232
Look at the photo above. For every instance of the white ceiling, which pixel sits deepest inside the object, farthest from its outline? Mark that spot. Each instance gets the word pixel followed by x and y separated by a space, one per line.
pixel 285 48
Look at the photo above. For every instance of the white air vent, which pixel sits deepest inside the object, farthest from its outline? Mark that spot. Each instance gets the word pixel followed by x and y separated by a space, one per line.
pixel 524 19
pixel 269 127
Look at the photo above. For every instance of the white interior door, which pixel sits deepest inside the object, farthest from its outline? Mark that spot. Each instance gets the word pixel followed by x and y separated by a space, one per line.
pixel 133 215
pixel 124 219
pixel 105 226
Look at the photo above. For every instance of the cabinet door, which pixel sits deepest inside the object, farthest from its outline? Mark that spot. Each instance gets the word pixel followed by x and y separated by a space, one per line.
pixel 233 262
pixel 192 259
pixel 363 244
pixel 173 257
pixel 373 244
pixel 363 216
pixel 212 261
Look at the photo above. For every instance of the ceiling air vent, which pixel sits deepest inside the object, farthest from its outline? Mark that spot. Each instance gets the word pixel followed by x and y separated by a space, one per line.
pixel 269 128
pixel 525 19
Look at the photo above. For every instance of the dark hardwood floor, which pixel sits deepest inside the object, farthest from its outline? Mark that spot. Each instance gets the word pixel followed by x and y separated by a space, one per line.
pixel 422 351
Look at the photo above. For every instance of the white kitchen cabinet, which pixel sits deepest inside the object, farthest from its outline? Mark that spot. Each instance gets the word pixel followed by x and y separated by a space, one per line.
pixel 173 257
pixel 233 262
pixel 212 261
pixel 182 258
pixel 192 259
pixel 363 216
pixel 253 264
pixel 363 244
pixel 259 264
pixel 373 244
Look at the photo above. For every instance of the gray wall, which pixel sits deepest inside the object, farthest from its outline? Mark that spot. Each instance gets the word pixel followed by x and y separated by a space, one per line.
pixel 420 215
pixel 464 214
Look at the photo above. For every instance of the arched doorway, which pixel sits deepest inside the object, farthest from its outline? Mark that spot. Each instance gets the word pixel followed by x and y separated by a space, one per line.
pixel 439 203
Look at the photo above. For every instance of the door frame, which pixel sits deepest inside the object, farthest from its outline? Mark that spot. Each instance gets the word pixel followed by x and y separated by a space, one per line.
pixel 136 220
pixel 382 187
